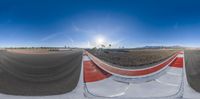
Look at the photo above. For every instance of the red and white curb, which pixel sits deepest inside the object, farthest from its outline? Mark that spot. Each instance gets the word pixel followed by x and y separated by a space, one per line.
pixel 130 73
pixel 101 81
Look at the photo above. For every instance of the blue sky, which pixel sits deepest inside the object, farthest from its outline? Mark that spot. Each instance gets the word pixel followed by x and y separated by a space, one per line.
pixel 78 23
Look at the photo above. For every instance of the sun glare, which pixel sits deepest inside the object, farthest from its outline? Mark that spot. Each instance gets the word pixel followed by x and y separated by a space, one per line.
pixel 100 40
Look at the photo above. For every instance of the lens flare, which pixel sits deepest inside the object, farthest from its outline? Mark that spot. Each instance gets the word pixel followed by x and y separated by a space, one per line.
pixel 100 40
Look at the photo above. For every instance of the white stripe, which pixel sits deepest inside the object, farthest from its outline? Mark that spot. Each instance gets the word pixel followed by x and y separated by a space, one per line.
pixel 166 83
pixel 175 74
pixel 86 58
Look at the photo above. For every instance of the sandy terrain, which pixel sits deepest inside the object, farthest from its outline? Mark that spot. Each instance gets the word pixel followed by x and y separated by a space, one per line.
pixel 35 51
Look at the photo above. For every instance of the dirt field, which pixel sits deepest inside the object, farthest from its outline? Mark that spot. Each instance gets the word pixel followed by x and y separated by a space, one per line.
pixel 23 73
pixel 36 51
pixel 192 64
pixel 133 58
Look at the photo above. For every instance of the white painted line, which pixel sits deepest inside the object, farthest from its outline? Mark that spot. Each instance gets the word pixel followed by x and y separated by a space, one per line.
pixel 166 83
pixel 174 74
pixel 86 58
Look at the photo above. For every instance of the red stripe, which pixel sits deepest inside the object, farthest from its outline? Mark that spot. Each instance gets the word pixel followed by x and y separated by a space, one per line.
pixel 124 72
pixel 93 73
pixel 177 63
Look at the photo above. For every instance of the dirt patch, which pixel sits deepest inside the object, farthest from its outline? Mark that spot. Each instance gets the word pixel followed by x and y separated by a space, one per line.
pixel 133 58
pixel 33 51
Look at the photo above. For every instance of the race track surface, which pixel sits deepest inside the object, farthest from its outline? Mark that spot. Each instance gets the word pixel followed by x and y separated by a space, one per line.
pixel 166 82
pixel 192 64
pixel 39 74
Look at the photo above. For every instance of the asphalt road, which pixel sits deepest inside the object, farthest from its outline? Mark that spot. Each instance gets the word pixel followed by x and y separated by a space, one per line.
pixel 39 74
pixel 192 63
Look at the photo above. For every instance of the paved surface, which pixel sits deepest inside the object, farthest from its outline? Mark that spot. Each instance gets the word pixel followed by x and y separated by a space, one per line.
pixel 192 62
pixel 39 74
pixel 172 77
pixel 168 84
pixel 130 73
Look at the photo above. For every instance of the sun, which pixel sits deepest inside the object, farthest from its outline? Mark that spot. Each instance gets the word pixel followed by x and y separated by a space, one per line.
pixel 100 40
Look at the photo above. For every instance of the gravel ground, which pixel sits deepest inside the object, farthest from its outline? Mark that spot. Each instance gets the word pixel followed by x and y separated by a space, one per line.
pixel 133 58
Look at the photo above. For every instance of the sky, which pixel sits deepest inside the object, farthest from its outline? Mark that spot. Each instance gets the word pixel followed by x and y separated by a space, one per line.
pixel 84 23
